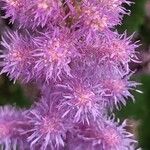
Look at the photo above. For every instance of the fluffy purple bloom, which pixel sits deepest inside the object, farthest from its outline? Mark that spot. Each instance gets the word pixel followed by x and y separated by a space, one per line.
pixel 106 135
pixel 17 59
pixel 14 8
pixel 114 136
pixel 11 123
pixel 42 12
pixel 81 66
pixel 34 13
pixel 47 127
pixel 81 99
pixel 99 15
pixel 54 54
pixel 117 50
pixel 116 90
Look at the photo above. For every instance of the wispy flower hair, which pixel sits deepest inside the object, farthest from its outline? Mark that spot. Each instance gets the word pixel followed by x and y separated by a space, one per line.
pixel 17 59
pixel 80 64
pixel 12 122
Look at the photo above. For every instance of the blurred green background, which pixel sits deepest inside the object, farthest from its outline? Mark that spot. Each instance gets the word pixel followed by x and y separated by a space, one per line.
pixel 139 112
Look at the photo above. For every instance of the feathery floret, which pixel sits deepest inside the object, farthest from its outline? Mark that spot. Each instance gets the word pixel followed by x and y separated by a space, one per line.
pixel 11 123
pixel 106 135
pixel 14 9
pixel 34 13
pixel 17 58
pixel 99 15
pixel 81 67
pixel 81 98
pixel 47 127
pixel 116 90
pixel 54 54
pixel 39 13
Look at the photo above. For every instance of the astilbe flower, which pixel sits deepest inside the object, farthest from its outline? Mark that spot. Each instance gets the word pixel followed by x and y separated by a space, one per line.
pixel 117 50
pixel 81 98
pixel 14 8
pixel 33 13
pixel 12 122
pixel 81 66
pixel 104 135
pixel 42 12
pixel 114 137
pixel 17 59
pixel 47 129
pixel 53 55
pixel 95 15
pixel 116 89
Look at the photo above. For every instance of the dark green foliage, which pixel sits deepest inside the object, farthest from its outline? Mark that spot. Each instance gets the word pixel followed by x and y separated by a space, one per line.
pixel 12 93
pixel 133 22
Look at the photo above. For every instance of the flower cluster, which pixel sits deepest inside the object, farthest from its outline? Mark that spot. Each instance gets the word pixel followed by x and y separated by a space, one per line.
pixel 81 66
